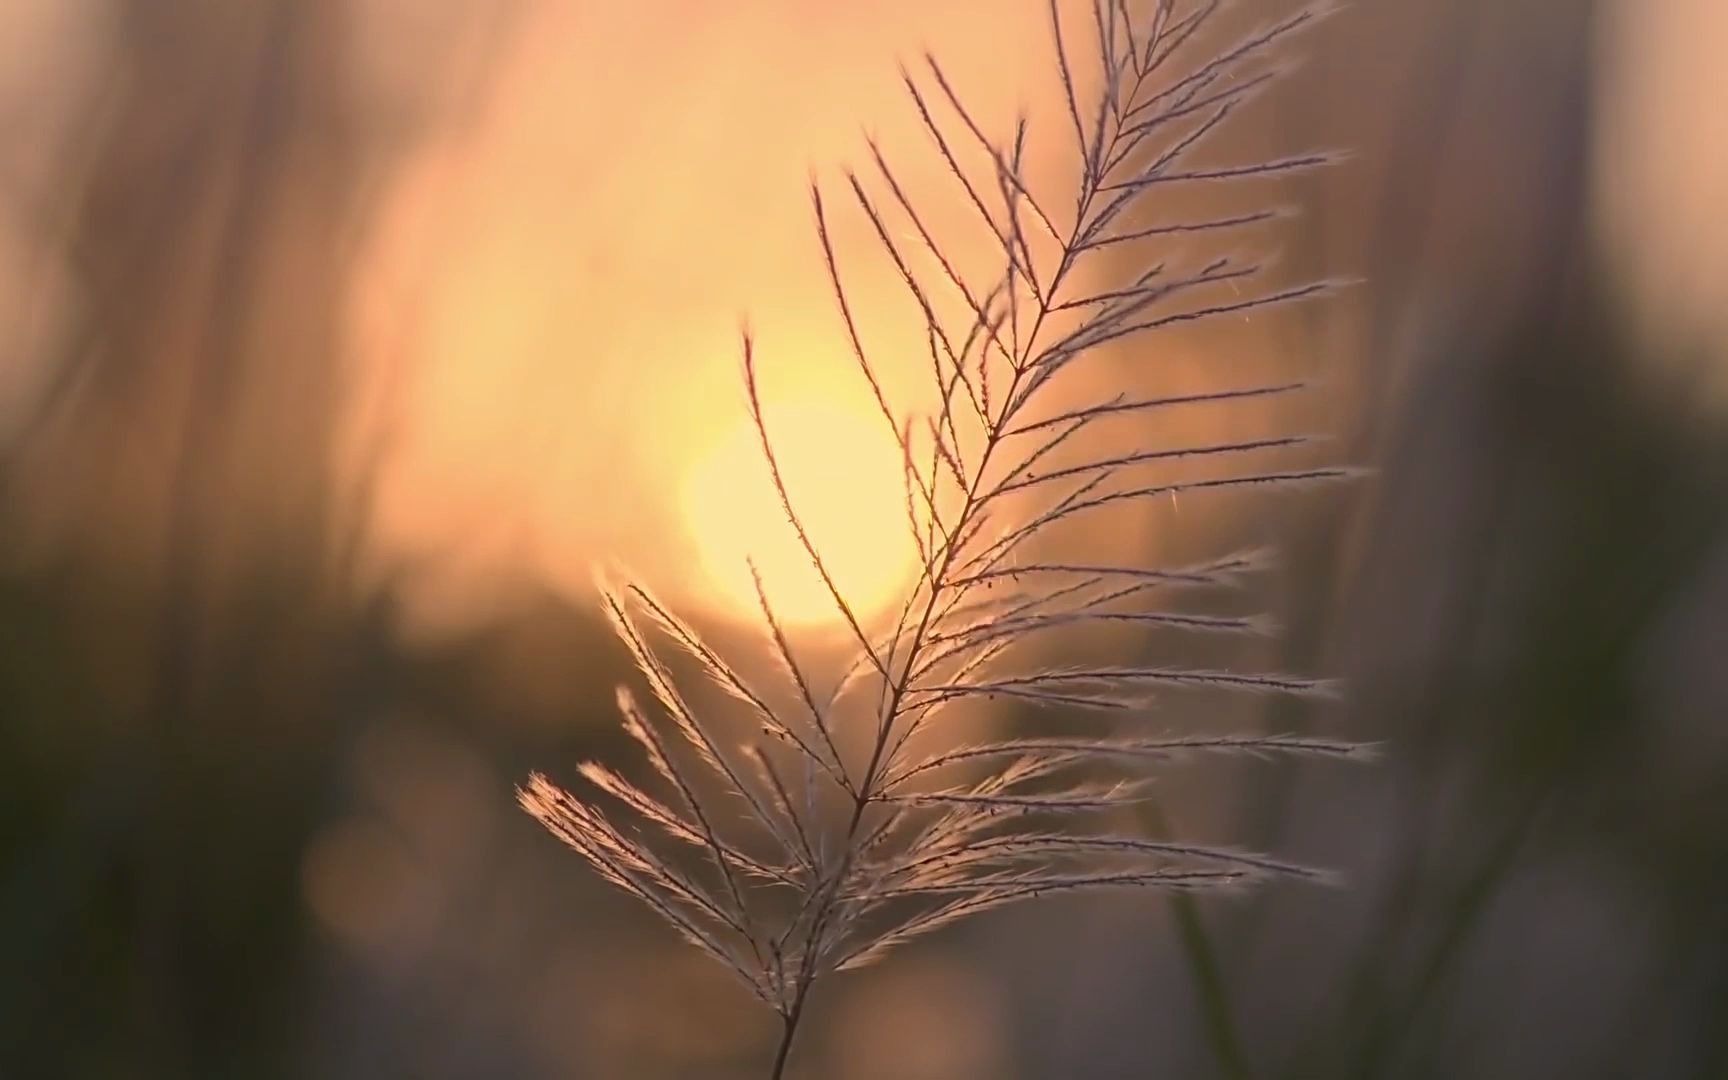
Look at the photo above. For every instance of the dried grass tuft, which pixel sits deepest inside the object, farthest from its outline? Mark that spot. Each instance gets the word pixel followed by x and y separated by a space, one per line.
pixel 816 860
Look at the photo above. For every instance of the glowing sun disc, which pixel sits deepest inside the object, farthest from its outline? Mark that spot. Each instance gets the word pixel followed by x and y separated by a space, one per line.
pixel 842 473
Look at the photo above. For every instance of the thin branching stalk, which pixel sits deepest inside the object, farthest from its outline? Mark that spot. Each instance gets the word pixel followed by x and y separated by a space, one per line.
pixel 852 825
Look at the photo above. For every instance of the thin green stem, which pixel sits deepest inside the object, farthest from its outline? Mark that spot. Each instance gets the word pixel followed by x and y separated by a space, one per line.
pixel 1396 1014
pixel 1216 1014
pixel 1211 990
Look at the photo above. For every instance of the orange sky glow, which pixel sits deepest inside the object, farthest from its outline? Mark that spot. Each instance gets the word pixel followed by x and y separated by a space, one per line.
pixel 550 299
pixel 636 187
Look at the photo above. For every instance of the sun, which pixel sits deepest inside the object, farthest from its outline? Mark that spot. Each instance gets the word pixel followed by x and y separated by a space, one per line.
pixel 841 468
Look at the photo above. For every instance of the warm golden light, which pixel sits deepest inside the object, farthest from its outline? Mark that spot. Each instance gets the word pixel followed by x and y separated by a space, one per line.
pixel 841 469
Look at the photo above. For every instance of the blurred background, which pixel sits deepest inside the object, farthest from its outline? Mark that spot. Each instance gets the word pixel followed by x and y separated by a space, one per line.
pixel 342 337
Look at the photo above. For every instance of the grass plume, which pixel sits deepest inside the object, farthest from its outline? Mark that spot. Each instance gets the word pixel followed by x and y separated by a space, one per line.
pixel 851 826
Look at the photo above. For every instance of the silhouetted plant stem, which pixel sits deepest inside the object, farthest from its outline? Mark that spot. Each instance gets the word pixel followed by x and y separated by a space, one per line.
pixel 885 733
pixel 791 1032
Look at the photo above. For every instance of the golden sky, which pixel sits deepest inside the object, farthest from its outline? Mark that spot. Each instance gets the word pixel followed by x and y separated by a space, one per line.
pixel 550 302
pixel 582 257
